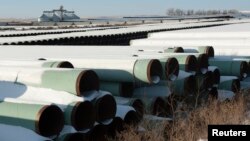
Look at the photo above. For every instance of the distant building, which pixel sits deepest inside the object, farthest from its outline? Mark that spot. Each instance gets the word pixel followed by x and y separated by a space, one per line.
pixel 58 15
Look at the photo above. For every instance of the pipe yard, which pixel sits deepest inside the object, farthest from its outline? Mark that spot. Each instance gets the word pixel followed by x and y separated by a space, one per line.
pixel 88 84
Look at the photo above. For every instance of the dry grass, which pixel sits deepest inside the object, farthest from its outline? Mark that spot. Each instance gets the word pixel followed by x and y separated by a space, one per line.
pixel 192 126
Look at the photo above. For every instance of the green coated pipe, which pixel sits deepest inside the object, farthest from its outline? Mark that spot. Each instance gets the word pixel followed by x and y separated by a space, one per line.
pixel 183 85
pixel 80 115
pixel 122 70
pixel 229 83
pixel 128 115
pixel 123 89
pixel 153 72
pixel 216 74
pixel 208 50
pixel 46 120
pixel 174 50
pixel 187 62
pixel 152 91
pixel 204 81
pixel 230 67
pixel 57 64
pixel 154 98
pixel 35 63
pixel 155 105
pixel 170 66
pixel 136 103
pixel 105 108
pixel 74 81
pixel 202 60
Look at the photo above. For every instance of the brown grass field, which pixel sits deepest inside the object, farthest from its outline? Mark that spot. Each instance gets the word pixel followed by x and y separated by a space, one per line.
pixel 193 125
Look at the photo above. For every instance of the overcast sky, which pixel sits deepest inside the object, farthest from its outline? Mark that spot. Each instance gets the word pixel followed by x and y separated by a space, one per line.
pixel 84 8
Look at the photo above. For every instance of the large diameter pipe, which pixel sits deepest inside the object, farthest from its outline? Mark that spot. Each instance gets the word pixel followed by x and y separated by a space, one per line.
pixel 202 60
pixel 186 62
pixel 128 115
pixel 184 86
pixel 136 103
pixel 170 66
pixel 174 50
pixel 123 89
pixel 229 83
pixel 155 105
pixel 208 50
pixel 80 115
pixel 123 70
pixel 105 106
pixel 216 74
pixel 231 68
pixel 78 111
pixel 116 126
pixel 152 91
pixel 20 133
pixel 46 120
pixel 98 133
pixel 41 63
pixel 73 81
pixel 155 98
pixel 204 81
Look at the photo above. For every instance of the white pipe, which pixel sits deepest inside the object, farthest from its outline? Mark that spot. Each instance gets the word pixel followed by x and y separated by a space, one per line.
pixel 227 78
pixel 123 110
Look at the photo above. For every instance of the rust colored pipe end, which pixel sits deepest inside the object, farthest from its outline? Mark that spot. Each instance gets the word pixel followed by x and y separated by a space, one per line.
pixel 65 64
pixel 105 107
pixel 203 63
pixel 178 50
pixel 191 64
pixel 172 69
pixel 87 81
pixel 154 69
pixel 243 69
pixel 209 51
pixel 139 107
pixel 158 107
pixel 50 121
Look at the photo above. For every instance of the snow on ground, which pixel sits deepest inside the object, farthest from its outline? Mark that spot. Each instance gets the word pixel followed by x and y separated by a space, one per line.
pixel 19 134
pixel 227 28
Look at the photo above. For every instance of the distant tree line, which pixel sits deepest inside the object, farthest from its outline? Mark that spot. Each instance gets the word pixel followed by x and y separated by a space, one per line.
pixel 180 12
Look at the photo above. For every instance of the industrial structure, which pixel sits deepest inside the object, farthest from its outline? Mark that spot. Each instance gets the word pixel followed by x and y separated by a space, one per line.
pixel 58 15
